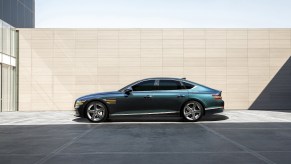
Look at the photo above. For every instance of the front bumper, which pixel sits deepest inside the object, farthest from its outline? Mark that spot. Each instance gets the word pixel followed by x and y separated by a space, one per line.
pixel 79 112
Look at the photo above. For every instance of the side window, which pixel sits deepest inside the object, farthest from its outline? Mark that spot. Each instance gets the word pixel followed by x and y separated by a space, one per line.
pixel 144 86
pixel 169 85
pixel 187 85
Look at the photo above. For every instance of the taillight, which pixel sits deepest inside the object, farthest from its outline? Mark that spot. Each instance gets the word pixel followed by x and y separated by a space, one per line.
pixel 217 96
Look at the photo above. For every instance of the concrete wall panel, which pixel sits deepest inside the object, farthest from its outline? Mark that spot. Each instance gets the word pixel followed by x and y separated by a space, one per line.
pixel 58 65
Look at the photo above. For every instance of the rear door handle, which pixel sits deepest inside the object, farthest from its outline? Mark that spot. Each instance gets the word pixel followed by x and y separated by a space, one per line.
pixel 148 96
pixel 180 96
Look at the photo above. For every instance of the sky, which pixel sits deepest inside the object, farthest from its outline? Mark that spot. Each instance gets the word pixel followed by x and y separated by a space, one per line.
pixel 163 13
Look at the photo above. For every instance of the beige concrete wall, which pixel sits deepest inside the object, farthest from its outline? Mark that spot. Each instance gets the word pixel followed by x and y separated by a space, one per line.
pixel 58 65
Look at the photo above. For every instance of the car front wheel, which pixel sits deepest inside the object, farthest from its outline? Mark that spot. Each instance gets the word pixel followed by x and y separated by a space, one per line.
pixel 192 111
pixel 96 112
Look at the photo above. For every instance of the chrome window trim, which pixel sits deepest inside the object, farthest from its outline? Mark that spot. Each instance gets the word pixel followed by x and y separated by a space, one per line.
pixel 157 81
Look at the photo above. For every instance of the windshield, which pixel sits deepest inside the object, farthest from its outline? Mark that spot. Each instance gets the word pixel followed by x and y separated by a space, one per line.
pixel 122 89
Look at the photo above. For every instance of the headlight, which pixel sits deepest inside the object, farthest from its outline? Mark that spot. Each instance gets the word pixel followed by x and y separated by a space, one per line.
pixel 78 103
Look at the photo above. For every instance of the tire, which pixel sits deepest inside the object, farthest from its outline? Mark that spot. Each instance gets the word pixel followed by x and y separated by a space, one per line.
pixel 192 111
pixel 96 112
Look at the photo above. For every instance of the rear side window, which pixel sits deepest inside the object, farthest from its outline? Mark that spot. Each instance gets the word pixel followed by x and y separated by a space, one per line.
pixel 144 86
pixel 187 85
pixel 169 85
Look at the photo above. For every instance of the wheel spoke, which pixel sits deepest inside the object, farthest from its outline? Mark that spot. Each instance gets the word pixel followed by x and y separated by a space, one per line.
pixel 97 116
pixel 93 116
pixel 194 106
pixel 189 108
pixel 99 110
pixel 197 113
pixel 187 114
pixel 101 114
pixel 95 106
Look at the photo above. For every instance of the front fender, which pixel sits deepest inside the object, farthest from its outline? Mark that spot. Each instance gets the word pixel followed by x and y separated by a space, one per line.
pixel 84 106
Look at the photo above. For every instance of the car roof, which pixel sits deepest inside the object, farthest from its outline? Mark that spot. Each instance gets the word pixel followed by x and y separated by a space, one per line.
pixel 164 78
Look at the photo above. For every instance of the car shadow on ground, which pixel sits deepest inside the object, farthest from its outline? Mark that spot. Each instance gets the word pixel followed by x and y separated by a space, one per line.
pixel 215 117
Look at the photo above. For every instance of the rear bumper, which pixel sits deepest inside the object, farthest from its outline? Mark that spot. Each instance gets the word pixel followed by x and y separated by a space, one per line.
pixel 213 110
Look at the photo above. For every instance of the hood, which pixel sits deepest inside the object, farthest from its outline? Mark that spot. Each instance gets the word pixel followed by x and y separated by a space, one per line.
pixel 98 94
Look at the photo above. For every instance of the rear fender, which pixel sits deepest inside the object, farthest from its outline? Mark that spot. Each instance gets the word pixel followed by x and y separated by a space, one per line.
pixel 192 99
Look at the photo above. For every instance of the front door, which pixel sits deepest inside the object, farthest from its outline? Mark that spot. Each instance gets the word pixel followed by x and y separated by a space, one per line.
pixel 139 101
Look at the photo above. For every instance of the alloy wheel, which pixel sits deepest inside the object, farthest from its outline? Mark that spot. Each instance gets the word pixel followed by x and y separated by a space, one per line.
pixel 192 111
pixel 96 111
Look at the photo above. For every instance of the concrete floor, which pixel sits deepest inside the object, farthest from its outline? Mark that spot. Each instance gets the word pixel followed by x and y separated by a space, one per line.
pixel 231 137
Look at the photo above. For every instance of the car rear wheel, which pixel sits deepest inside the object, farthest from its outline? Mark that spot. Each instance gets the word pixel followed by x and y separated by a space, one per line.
pixel 96 112
pixel 192 111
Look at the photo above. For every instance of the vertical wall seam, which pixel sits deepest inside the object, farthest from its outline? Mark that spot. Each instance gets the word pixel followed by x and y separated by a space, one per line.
pixel 118 55
pixel 205 68
pixel 140 69
pixel 248 68
pixel 53 63
pixel 97 55
pixel 162 30
pixel 226 77
pixel 30 69
pixel 183 59
pixel 269 37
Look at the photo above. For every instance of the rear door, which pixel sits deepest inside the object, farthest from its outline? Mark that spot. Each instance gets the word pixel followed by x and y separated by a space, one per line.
pixel 170 96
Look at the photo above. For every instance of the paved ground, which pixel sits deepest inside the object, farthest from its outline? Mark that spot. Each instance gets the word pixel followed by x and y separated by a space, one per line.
pixel 231 137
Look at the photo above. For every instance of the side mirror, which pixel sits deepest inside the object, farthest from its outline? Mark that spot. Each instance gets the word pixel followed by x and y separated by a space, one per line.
pixel 127 91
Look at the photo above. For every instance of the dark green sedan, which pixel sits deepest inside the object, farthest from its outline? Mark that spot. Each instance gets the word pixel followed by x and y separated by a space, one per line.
pixel 152 96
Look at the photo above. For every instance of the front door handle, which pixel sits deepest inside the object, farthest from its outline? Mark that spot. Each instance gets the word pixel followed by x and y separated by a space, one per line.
pixel 180 96
pixel 148 96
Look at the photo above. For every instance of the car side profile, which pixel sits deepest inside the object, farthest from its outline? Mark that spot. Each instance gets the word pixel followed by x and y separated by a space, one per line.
pixel 152 96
